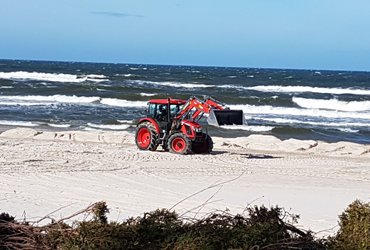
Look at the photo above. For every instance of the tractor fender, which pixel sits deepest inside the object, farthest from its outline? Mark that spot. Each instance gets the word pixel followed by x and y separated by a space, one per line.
pixel 152 121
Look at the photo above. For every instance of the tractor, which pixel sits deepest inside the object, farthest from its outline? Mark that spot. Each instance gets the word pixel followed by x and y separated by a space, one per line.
pixel 174 125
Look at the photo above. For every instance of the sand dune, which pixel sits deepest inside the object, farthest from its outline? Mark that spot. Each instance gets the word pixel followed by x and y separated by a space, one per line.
pixel 43 171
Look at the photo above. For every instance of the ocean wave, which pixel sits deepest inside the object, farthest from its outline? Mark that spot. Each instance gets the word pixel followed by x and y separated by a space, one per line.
pixel 332 104
pixel 97 76
pixel 228 86
pixel 8 103
pixel 313 123
pixel 18 123
pixel 111 127
pixel 36 100
pixel 6 87
pixel 147 94
pixel 51 77
pixel 122 103
pixel 59 125
pixel 349 130
pixel 42 100
pixel 248 128
pixel 175 84
pixel 101 90
pixel 125 121
pixel 286 111
pixel 300 89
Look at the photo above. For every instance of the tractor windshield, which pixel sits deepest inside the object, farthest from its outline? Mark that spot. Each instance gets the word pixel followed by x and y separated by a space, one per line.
pixel 174 109
pixel 159 111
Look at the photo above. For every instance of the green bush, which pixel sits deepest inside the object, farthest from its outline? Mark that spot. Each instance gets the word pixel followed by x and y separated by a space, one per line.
pixel 162 229
pixel 262 228
pixel 354 231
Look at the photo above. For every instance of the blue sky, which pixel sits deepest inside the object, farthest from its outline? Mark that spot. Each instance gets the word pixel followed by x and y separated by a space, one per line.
pixel 309 34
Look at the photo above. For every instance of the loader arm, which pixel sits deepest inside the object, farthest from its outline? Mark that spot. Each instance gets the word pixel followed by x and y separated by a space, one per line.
pixel 201 107
pixel 219 114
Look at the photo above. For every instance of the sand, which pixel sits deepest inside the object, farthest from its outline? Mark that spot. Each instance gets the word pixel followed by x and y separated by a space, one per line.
pixel 43 172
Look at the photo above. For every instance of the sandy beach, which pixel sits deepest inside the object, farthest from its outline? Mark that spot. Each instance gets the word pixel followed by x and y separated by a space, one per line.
pixel 45 172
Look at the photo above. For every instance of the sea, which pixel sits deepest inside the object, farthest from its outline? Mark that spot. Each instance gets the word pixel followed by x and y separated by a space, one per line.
pixel 303 104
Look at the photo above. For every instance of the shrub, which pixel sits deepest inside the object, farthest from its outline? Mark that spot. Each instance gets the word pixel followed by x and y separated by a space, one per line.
pixel 4 230
pixel 262 228
pixel 354 231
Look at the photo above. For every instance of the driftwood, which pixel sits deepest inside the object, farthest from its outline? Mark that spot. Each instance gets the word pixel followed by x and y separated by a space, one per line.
pixel 28 235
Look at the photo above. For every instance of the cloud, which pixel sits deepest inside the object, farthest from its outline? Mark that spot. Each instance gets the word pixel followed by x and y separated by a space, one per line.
pixel 114 14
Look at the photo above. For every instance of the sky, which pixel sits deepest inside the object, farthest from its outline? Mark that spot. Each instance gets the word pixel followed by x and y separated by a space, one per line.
pixel 296 34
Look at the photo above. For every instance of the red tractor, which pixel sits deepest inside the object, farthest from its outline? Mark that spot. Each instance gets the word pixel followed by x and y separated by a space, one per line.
pixel 173 124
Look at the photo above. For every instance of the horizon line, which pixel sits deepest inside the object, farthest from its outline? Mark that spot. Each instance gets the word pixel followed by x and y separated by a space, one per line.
pixel 184 65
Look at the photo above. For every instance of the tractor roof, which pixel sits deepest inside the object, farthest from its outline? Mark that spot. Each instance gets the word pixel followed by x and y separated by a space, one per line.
pixel 165 101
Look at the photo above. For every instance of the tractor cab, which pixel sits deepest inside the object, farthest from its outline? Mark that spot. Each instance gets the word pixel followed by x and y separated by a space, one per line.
pixel 164 110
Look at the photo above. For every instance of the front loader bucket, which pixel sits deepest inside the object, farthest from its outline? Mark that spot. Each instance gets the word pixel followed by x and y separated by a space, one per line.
pixel 225 117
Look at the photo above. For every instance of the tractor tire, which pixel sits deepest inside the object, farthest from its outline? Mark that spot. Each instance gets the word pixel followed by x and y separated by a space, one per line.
pixel 179 143
pixel 203 147
pixel 146 137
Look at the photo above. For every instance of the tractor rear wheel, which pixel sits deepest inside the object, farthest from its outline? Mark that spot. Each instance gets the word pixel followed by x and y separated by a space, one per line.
pixel 203 147
pixel 179 143
pixel 146 137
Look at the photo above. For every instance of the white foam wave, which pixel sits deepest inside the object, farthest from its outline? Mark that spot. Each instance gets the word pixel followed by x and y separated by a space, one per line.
pixel 18 123
pixel 6 87
pixel 300 89
pixel 125 121
pixel 270 110
pixel 112 127
pixel 38 99
pixel 176 84
pixel 313 123
pixel 51 77
pixel 7 103
pixel 34 100
pixel 248 128
pixel 147 94
pixel 122 103
pixel 59 125
pixel 97 76
pixel 332 104
pixel 228 86
pixel 348 130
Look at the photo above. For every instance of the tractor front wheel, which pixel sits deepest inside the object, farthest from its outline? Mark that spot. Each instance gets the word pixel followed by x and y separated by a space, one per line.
pixel 179 144
pixel 146 137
